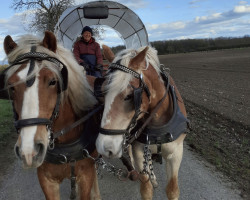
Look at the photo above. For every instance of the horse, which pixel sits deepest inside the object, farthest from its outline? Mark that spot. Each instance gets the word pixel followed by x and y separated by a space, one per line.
pixel 50 95
pixel 143 108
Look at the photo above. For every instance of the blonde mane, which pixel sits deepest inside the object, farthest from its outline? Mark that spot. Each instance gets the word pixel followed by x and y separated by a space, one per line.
pixel 79 91
pixel 120 80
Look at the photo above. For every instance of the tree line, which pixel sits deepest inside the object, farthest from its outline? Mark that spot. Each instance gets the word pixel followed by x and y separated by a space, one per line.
pixel 191 45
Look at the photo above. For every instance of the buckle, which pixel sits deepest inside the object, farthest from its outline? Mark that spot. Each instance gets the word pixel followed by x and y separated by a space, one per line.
pixel 65 159
pixel 170 137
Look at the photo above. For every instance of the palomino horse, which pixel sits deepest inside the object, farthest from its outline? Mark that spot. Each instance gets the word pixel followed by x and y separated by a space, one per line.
pixel 144 108
pixel 50 93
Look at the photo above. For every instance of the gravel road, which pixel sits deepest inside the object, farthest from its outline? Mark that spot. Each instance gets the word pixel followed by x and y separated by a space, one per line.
pixel 198 181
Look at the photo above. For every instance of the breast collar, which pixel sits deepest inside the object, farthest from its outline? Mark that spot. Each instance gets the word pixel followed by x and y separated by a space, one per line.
pixel 170 131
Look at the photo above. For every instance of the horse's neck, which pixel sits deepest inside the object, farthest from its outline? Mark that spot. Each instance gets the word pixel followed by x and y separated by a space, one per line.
pixel 66 118
pixel 165 111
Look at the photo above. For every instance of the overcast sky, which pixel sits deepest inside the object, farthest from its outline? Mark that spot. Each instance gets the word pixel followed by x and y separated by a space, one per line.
pixel 164 19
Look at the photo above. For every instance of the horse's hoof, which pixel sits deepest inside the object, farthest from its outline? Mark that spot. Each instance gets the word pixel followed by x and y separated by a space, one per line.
pixel 133 175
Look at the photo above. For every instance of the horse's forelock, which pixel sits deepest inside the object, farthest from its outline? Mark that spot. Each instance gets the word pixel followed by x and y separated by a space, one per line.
pixel 120 80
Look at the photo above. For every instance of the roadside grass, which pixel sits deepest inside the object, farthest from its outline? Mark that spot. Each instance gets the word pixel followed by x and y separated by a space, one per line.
pixel 6 120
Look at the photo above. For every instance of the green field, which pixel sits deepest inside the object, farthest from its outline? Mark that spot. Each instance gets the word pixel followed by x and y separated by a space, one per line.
pixel 6 120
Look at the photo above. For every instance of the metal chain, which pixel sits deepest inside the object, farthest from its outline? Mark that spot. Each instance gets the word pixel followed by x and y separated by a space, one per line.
pixel 122 174
pixel 147 163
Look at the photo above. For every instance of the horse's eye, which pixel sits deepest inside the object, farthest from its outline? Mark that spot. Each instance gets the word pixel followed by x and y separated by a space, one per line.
pixel 52 82
pixel 128 97
pixel 12 92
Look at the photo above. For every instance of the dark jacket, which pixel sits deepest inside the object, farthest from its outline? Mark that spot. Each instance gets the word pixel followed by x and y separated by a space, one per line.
pixel 87 48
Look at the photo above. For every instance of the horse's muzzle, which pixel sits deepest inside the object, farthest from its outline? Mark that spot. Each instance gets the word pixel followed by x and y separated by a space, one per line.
pixel 33 159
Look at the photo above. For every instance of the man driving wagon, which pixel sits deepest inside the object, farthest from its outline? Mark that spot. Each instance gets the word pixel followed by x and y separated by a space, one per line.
pixel 88 53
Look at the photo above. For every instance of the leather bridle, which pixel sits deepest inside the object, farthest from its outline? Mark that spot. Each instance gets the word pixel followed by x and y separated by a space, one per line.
pixel 132 132
pixel 137 97
pixel 33 56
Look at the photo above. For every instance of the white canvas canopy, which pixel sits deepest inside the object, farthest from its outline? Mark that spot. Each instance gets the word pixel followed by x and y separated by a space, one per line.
pixel 109 13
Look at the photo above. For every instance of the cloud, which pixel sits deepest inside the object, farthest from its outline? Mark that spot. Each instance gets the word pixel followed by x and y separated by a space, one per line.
pixel 237 12
pixel 243 2
pixel 170 26
pixel 132 4
pixel 195 1
pixel 229 23
pixel 242 9
pixel 12 25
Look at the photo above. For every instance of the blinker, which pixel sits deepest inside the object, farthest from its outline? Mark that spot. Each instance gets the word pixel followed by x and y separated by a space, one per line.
pixel 2 81
pixel 137 98
pixel 3 92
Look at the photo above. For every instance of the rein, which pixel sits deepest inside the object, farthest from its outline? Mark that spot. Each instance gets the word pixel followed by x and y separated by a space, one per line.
pixel 77 123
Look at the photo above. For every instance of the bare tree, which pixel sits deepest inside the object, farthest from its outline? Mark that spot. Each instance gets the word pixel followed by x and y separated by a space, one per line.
pixel 46 12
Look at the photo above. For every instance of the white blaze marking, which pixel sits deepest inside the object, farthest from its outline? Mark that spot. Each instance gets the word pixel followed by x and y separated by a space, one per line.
pixel 109 99
pixel 30 109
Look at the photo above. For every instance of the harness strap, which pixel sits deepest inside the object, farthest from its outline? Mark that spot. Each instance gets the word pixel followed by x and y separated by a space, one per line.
pixel 157 107
pixel 31 122
pixel 77 123
pixel 124 69
pixel 98 87
pixel 30 82
pixel 73 181
pixel 112 131
pixel 33 55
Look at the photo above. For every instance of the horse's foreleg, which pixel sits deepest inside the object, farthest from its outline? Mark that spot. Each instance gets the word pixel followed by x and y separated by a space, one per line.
pixel 95 192
pixel 50 188
pixel 172 154
pixel 146 187
pixel 86 175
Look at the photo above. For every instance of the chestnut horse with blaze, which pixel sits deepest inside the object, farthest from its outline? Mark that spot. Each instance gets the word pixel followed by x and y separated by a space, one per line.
pixel 50 92
pixel 143 108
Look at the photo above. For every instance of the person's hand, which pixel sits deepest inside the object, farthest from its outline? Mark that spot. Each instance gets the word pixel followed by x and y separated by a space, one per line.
pixel 98 67
pixel 86 66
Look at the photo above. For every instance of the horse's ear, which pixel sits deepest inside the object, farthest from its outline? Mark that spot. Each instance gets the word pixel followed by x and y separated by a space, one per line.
pixel 9 44
pixel 138 60
pixel 49 41
pixel 108 53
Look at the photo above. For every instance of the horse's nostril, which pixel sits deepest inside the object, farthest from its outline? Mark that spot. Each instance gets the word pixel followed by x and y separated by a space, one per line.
pixel 110 153
pixel 39 147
